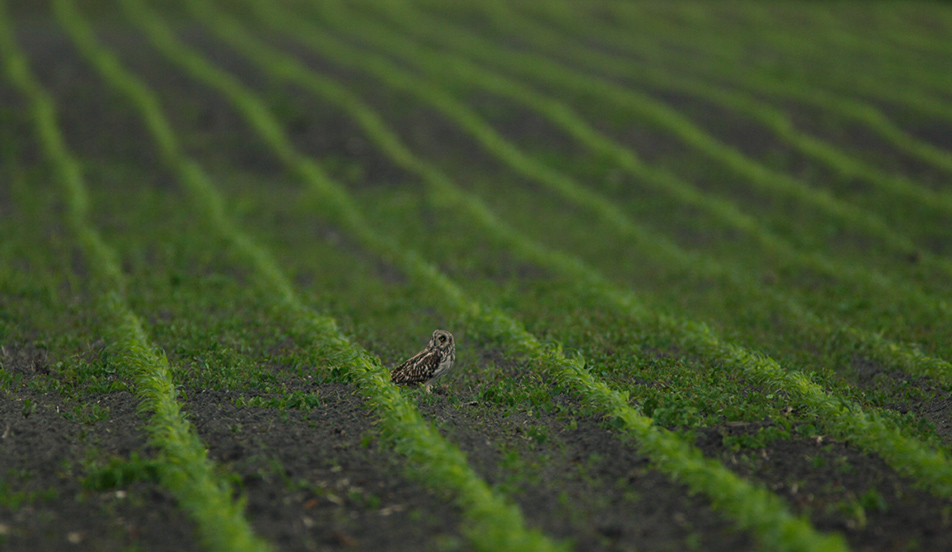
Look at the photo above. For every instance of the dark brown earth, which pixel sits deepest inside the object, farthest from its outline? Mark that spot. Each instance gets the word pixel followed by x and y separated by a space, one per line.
pixel 321 478
pixel 317 480
pixel 47 442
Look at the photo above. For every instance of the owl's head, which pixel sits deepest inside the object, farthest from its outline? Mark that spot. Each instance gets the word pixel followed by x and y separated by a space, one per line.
pixel 442 340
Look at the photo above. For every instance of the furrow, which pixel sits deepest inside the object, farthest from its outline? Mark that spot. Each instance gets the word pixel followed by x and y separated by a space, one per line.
pixel 185 468
pixel 495 525
pixel 752 506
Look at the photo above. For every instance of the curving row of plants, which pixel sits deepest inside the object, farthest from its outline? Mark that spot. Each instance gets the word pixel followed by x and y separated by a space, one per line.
pixel 185 468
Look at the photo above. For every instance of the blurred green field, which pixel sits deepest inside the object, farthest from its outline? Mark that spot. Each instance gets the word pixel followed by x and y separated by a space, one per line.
pixel 695 256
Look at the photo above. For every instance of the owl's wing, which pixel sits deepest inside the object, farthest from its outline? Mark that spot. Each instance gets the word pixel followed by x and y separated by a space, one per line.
pixel 418 369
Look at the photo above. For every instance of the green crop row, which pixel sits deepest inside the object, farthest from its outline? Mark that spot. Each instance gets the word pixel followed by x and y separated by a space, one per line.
pixel 185 469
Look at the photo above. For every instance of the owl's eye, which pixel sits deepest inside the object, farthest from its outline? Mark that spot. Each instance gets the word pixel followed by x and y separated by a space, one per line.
pixel 442 338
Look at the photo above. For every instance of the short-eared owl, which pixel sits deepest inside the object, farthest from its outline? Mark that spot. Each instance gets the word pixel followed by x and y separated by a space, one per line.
pixel 429 364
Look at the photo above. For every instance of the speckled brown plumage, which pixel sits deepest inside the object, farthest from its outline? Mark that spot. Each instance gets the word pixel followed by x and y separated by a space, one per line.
pixel 429 364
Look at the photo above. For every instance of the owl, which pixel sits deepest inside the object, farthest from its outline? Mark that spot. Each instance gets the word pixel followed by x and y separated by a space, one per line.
pixel 429 364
